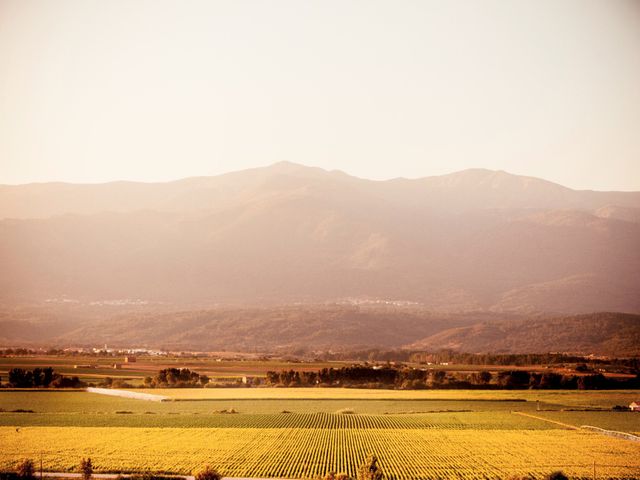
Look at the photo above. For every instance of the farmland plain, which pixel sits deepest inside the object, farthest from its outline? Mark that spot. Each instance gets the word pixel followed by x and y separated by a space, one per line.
pixel 300 433
pixel 95 368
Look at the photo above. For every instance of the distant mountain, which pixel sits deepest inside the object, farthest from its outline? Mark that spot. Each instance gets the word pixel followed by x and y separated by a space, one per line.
pixel 469 241
pixel 599 333
pixel 311 328
pixel 268 329
pixel 471 189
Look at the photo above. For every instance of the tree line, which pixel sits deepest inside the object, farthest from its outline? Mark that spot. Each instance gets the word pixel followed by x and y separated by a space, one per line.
pixel 464 358
pixel 416 378
pixel 40 378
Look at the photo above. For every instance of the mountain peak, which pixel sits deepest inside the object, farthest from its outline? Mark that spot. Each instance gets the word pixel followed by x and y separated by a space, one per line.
pixel 285 167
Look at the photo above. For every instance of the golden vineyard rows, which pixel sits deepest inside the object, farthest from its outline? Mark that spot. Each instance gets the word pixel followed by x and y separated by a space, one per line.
pixel 305 452
pixel 436 420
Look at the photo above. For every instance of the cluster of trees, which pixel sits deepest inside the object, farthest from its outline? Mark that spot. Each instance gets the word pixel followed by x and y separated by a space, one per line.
pixel 27 471
pixel 334 376
pixel 30 351
pixel 522 359
pixel 62 352
pixel 41 378
pixel 450 356
pixel 364 355
pixel 517 359
pixel 462 358
pixel 176 377
pixel 17 351
pixel 415 378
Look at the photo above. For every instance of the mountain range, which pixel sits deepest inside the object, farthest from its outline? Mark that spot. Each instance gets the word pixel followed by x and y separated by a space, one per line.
pixel 471 241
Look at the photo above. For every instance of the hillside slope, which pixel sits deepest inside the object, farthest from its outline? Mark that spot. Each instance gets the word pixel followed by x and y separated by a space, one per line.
pixel 598 333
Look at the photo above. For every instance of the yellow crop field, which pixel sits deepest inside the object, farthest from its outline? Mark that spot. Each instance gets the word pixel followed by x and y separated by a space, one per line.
pixel 298 452
pixel 565 397
pixel 287 433
pixel 330 393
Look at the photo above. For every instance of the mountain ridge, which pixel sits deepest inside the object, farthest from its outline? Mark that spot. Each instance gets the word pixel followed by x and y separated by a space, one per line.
pixel 477 240
pixel 25 202
pixel 603 333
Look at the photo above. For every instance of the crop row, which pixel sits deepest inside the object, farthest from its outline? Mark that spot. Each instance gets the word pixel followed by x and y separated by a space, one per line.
pixel 305 452
pixel 64 401
pixel 328 421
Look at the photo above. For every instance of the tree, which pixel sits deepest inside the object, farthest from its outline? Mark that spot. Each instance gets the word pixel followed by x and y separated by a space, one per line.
pixel 514 379
pixel 550 380
pixel 556 476
pixel 208 473
pixel 20 378
pixel 369 470
pixel 592 382
pixel 26 470
pixel 438 376
pixel 86 468
pixel 482 378
pixel 485 377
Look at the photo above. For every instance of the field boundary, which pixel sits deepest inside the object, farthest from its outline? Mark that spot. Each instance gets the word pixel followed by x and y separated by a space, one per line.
pixel 612 433
pixel 602 431
pixel 127 394
pixel 376 399
pixel 566 425
pixel 127 475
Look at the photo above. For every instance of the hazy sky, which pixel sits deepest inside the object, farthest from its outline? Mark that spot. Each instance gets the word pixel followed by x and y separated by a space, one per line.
pixel 155 90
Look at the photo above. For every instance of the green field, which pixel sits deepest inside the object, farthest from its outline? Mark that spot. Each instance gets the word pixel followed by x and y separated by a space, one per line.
pixel 416 434
pixel 561 398
pixel 134 373
pixel 619 421
pixel 272 401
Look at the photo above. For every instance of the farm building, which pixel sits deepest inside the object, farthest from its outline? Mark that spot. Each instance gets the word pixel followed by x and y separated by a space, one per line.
pixel 130 359
pixel 634 406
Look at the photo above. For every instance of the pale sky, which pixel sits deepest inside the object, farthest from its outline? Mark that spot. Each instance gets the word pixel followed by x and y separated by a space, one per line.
pixel 94 91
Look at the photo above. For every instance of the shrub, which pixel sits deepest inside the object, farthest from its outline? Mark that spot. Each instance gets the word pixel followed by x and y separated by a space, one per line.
pixel 346 411
pixel 208 474
pixel 26 470
pixel 556 476
pixel 119 383
pixel 86 468
pixel 369 470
